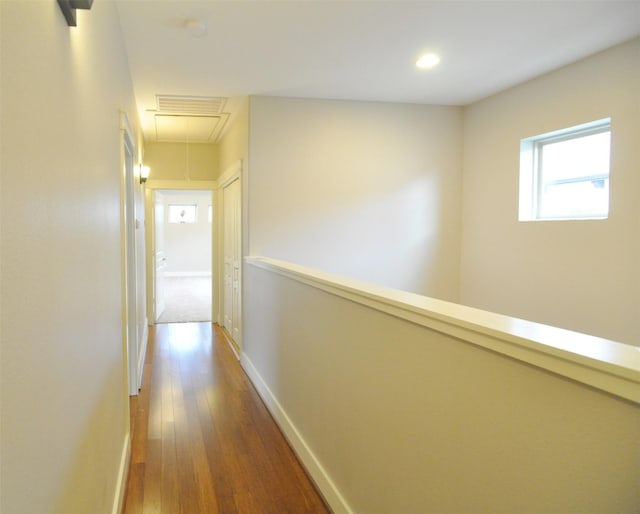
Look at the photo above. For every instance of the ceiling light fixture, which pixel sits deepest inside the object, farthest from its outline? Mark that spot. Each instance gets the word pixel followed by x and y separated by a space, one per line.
pixel 427 61
pixel 196 28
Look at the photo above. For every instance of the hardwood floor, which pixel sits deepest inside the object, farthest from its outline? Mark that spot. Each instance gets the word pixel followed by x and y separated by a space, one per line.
pixel 203 442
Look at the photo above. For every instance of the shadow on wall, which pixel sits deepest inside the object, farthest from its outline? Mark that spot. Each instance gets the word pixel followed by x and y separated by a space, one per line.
pixel 392 238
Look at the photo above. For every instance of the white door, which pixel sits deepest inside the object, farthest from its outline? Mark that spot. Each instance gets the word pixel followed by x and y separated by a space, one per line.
pixel 232 246
pixel 159 256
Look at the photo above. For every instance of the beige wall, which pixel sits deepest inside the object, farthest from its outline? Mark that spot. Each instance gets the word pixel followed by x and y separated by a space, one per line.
pixel 367 190
pixel 376 192
pixel 64 394
pixel 181 161
pixel 582 275
pixel 234 145
pixel 406 419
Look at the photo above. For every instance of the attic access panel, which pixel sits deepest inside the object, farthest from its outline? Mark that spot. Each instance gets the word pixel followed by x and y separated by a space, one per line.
pixel 192 129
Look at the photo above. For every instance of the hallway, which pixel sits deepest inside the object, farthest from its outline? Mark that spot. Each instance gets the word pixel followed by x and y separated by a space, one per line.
pixel 203 442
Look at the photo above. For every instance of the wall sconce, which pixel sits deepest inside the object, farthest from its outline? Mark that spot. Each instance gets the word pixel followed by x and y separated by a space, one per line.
pixel 68 8
pixel 144 173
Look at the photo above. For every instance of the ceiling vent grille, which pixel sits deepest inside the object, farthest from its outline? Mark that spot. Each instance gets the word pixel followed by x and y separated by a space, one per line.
pixel 203 105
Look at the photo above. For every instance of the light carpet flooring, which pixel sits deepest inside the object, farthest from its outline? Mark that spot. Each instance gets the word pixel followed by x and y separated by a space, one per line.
pixel 186 299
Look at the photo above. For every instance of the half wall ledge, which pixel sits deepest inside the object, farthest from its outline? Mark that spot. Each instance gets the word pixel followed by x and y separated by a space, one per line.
pixel 607 365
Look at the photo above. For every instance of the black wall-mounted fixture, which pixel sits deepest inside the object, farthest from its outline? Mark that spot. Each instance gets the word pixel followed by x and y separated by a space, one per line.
pixel 68 8
pixel 144 173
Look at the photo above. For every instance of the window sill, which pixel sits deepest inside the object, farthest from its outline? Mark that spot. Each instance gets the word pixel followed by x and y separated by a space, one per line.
pixel 594 218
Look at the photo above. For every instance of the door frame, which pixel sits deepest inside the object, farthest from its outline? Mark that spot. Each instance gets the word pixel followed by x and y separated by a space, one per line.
pixel 134 343
pixel 175 185
pixel 157 199
pixel 231 174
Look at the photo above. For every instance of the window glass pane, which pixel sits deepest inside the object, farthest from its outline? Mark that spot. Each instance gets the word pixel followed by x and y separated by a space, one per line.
pixel 573 175
pixel 582 199
pixel 182 213
pixel 579 157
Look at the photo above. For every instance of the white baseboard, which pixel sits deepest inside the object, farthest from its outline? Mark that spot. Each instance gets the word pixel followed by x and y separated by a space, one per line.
pixel 123 472
pixel 318 474
pixel 230 342
pixel 195 274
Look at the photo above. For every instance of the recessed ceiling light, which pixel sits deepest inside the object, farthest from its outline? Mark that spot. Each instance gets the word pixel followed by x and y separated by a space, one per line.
pixel 427 61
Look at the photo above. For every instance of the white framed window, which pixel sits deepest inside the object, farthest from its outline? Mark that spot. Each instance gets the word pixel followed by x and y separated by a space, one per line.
pixel 183 213
pixel 565 174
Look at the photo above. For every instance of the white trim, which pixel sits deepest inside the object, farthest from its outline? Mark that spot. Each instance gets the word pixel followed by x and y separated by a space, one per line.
pixel 123 472
pixel 143 352
pixel 231 173
pixel 608 365
pixel 126 126
pixel 229 341
pixel 318 474
pixel 175 274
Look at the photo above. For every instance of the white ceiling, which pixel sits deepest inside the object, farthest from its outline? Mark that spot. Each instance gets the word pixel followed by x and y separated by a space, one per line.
pixel 358 50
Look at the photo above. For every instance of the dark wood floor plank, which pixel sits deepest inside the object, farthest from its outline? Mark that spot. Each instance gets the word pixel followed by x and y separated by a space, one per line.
pixel 135 490
pixel 152 479
pixel 151 419
pixel 203 442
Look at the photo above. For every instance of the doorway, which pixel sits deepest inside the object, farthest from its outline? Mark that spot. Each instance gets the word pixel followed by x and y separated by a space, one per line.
pixel 135 330
pixel 183 255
